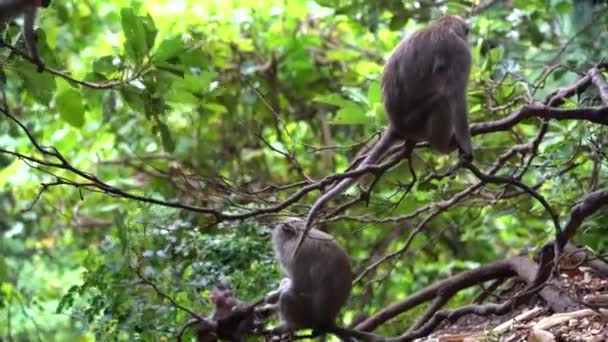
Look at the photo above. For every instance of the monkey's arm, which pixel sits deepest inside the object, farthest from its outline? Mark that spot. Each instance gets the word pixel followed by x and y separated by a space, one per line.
pixel 461 129
pixel 273 296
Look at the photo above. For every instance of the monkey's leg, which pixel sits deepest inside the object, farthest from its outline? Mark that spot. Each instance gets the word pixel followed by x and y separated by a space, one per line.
pixel 439 127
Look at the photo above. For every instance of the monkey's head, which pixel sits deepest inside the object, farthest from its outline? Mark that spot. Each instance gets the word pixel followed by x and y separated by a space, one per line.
pixel 284 238
pixel 288 229
pixel 455 24
pixel 222 296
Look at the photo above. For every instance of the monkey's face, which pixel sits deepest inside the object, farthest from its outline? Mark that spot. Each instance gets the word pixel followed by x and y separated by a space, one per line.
pixel 284 239
pixel 221 296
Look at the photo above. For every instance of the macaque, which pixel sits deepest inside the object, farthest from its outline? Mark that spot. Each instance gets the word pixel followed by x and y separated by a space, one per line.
pixel 10 9
pixel 424 86
pixel 223 300
pixel 318 283
pixel 231 318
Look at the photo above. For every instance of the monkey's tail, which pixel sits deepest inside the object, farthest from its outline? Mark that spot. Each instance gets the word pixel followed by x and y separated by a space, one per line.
pixel 373 155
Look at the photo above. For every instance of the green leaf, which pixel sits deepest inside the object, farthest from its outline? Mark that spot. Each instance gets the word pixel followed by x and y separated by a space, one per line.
pixel 166 138
pixel 168 49
pixel 333 99
pixel 109 105
pixel 71 110
pixel 133 97
pixel 68 299
pixel 4 271
pixel 350 114
pixel 153 106
pixel 374 93
pixel 123 234
pixel 564 7
pixel 104 65
pixel 151 30
pixel 136 35
pixel 41 86
pixel 175 69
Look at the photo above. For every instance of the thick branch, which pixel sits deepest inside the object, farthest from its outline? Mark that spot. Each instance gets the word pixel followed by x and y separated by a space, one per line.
pixel 595 115
pixel 450 285
pixel 442 291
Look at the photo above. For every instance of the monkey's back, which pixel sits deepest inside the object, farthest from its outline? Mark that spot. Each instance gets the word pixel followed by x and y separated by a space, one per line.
pixel 323 279
pixel 420 73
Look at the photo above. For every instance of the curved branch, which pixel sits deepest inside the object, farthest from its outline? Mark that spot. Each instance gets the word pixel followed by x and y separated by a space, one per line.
pixel 443 290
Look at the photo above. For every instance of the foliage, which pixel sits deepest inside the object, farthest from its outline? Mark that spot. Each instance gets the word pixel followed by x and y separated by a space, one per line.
pixel 225 105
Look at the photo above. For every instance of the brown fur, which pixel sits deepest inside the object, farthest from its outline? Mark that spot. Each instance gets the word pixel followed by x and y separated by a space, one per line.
pixel 320 281
pixel 232 319
pixel 424 86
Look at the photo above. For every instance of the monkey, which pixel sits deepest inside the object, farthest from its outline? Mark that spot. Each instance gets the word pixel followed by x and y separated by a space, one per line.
pixel 230 320
pixel 318 283
pixel 223 299
pixel 10 9
pixel 424 85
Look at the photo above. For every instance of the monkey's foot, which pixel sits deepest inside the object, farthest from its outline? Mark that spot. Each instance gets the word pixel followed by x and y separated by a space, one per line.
pixel 40 65
pixel 464 158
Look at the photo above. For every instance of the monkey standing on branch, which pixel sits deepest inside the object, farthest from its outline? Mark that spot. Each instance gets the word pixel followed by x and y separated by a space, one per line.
pixel 10 9
pixel 424 87
pixel 318 284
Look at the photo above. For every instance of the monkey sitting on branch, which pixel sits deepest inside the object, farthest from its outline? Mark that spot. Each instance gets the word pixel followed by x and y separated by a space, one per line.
pixel 424 86
pixel 318 283
pixel 231 319
pixel 10 9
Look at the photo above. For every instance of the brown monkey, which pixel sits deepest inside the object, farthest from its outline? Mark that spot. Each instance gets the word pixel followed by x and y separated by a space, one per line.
pixel 319 281
pixel 223 300
pixel 230 320
pixel 10 9
pixel 424 88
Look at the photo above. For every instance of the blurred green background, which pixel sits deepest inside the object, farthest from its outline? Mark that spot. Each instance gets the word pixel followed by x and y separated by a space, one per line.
pixel 231 106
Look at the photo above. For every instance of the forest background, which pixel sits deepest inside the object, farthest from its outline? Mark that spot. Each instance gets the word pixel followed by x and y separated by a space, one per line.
pixel 167 137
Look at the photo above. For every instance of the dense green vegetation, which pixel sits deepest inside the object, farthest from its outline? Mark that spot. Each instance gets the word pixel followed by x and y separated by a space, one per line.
pixel 168 127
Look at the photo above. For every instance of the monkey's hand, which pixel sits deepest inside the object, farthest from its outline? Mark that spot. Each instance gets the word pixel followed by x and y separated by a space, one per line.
pixel 264 312
pixel 273 296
